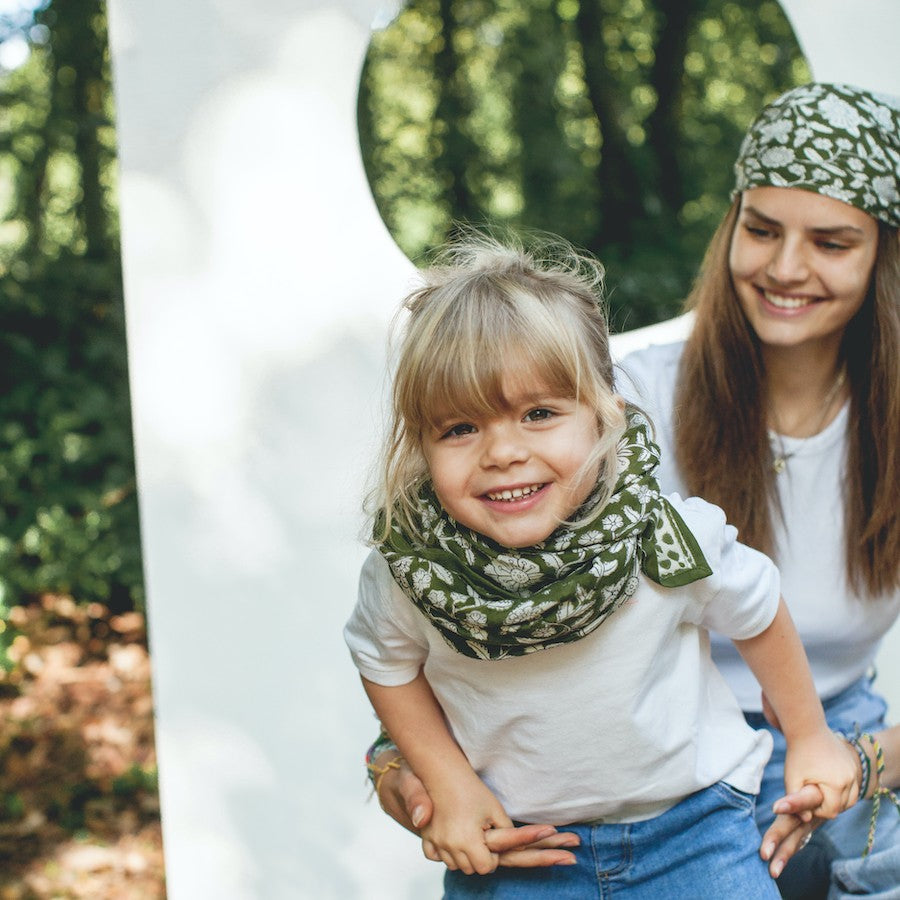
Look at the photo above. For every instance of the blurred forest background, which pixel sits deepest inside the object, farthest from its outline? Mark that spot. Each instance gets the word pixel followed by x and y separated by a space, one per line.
pixel 614 123
pixel 68 505
pixel 79 809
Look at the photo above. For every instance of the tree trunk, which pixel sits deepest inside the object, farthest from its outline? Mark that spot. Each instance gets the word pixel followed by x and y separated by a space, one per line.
pixel 620 188
pixel 537 58
pixel 77 111
pixel 451 116
pixel 666 79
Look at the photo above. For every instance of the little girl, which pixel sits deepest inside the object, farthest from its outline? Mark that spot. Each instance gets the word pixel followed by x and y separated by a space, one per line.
pixel 532 626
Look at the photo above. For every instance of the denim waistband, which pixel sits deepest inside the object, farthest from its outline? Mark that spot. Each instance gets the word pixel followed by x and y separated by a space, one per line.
pixel 861 684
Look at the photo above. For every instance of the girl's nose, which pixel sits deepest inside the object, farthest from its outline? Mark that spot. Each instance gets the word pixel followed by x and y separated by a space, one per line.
pixel 788 263
pixel 503 446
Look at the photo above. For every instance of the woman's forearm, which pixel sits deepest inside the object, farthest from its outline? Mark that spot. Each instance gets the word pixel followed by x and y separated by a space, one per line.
pixel 889 739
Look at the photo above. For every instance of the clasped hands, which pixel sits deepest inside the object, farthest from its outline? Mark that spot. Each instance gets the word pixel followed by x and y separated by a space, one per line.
pixel 403 797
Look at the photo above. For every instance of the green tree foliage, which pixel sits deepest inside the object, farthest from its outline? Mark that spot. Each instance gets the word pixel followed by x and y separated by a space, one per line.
pixel 614 123
pixel 68 507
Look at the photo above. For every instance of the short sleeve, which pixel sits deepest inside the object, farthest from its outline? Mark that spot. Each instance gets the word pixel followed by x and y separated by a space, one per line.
pixel 384 634
pixel 740 599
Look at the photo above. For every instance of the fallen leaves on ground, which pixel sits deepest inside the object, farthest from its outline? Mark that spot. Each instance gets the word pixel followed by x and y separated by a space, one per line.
pixel 79 810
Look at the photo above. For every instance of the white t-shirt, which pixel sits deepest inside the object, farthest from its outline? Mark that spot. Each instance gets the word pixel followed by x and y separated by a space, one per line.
pixel 840 629
pixel 617 726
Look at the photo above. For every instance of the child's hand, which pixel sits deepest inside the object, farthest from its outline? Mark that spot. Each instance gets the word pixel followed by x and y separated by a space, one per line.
pixel 828 762
pixel 793 826
pixel 463 811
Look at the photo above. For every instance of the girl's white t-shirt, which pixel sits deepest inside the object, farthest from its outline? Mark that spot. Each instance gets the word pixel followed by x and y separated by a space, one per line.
pixel 840 629
pixel 617 726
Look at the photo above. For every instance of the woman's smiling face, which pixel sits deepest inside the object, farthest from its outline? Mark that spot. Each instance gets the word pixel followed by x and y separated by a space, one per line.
pixel 801 264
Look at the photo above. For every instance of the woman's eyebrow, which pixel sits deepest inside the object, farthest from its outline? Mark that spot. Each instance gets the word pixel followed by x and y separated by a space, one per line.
pixel 755 212
pixel 837 230
pixel 831 230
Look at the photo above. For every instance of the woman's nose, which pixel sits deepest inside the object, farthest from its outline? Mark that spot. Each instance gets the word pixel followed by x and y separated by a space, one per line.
pixel 788 264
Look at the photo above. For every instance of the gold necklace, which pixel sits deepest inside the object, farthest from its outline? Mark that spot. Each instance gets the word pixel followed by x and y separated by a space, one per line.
pixel 779 462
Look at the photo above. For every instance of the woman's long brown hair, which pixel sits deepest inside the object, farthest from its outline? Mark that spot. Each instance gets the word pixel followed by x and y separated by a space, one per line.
pixel 721 441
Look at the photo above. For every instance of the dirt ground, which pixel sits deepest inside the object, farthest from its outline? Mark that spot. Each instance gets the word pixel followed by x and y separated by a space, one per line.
pixel 79 810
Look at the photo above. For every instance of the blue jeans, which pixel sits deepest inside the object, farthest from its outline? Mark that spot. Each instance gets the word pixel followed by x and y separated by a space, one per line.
pixel 831 866
pixel 704 848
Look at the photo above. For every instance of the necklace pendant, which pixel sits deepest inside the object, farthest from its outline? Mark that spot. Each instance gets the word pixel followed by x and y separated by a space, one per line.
pixel 779 464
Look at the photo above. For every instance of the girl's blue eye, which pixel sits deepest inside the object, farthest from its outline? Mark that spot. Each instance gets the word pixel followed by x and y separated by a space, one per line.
pixel 537 415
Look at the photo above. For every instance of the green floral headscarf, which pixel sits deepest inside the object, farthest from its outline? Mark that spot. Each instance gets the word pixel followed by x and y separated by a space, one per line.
pixel 490 601
pixel 833 139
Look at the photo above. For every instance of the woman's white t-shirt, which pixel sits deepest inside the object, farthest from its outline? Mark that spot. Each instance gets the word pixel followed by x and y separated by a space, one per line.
pixel 840 629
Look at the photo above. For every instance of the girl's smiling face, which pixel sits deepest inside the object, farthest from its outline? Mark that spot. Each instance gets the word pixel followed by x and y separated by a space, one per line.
pixel 513 475
pixel 801 264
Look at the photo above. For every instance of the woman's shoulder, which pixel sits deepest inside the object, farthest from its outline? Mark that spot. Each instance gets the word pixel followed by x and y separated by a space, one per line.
pixel 653 358
pixel 643 372
pixel 647 378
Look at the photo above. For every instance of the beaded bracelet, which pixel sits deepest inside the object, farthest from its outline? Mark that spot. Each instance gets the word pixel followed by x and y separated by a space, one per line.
pixel 879 790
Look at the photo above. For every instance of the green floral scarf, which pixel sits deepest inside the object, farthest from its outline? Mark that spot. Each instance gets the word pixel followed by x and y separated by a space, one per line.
pixel 490 601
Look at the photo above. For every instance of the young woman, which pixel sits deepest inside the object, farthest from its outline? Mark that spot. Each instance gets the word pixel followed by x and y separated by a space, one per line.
pixel 783 407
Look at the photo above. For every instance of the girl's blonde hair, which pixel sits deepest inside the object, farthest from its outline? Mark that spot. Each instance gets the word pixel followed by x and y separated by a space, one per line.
pixel 486 308
pixel 721 439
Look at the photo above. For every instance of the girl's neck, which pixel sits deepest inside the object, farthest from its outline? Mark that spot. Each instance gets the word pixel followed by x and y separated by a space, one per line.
pixel 806 388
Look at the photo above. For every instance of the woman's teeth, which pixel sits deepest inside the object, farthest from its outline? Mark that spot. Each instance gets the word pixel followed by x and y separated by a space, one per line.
pixel 515 493
pixel 783 302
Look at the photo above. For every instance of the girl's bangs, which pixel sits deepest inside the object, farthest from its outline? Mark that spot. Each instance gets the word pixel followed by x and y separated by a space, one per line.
pixel 471 379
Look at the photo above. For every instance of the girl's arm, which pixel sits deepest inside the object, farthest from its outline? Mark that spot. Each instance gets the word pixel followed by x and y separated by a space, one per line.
pixel 815 755
pixel 464 808
pixel 404 798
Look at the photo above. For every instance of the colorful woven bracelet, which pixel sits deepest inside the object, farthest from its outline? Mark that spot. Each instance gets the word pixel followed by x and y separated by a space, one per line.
pixel 382 743
pixel 376 773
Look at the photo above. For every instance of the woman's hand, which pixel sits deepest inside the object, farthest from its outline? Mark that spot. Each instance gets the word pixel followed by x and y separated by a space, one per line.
pixel 793 826
pixel 401 794
pixel 532 846
pixel 404 798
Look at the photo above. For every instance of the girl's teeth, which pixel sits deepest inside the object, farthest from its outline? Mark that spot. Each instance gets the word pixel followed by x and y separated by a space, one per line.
pixel 786 302
pixel 515 493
